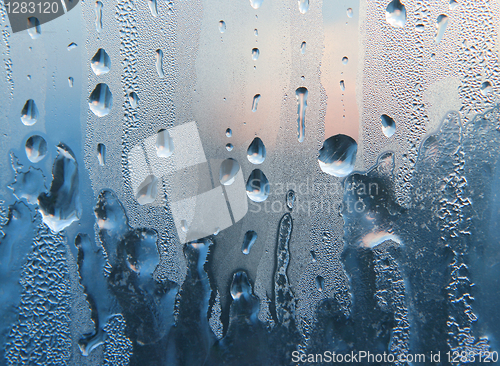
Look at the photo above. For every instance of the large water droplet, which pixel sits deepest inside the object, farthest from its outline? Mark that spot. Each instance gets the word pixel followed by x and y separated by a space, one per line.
pixel 255 102
pixel 101 154
pixel 29 113
pixel 34 28
pixel 146 192
pixel 159 63
pixel 222 26
pixel 36 148
pixel 153 8
pixel 442 23
pixel 303 6
pixel 164 144
pixel 395 14
pixel 98 16
pixel 388 125
pixel 320 283
pixel 257 186
pixel 486 88
pixel 133 98
pixel 301 94
pixel 256 3
pixel 303 47
pixel 255 53
pixel 349 12
pixel 256 152
pixel 101 100
pixel 248 241
pixel 100 63
pixel 228 170
pixel 338 155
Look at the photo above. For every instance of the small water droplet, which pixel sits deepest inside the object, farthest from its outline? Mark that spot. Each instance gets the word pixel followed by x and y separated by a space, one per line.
pixel 222 26
pixel 338 155
pixel 98 16
pixel 486 88
pixel 342 85
pixel 164 144
pixel 228 170
pixel 100 63
pixel 101 154
pixel 36 148
pixel 28 77
pixel 395 14
pixel 303 6
pixel 349 12
pixel 29 113
pixel 257 186
pixel 229 147
pixel 255 102
pixel 320 283
pixel 290 199
pixel 153 8
pixel 303 47
pixel 133 98
pixel 441 23
pixel 419 28
pixel 159 63
pixel 256 32
pixel 256 152
pixel 248 241
pixel 255 53
pixel 70 82
pixel 101 100
pixel 229 133
pixel 71 46
pixel 301 94
pixel 388 125
pixel 256 3
pixel 345 60
pixel 34 28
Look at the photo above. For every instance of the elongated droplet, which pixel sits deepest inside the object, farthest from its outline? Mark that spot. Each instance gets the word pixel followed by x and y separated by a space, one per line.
pixel 345 60
pixel 342 85
pixel 229 133
pixel 248 241
pixel 255 102
pixel 70 81
pixel 301 94
pixel 101 154
pixel 98 16
pixel 159 63
pixel 133 98
pixel 255 53
pixel 34 28
pixel 164 144
pixel 442 23
pixel 349 12
pixel 320 283
pixel 303 6
pixel 146 192
pixel 36 148
pixel 153 8
pixel 303 47
pixel 101 100
pixel 222 26
pixel 100 63
pixel 395 14
pixel 388 125
pixel 29 113
pixel 257 186
pixel 256 152
pixel 228 170
pixel 290 199
pixel 338 155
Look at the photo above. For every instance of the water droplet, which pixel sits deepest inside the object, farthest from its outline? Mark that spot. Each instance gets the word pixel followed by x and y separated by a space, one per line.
pixel 159 63
pixel 222 26
pixel 34 28
pixel 98 16
pixel 388 125
pixel 71 46
pixel 349 12
pixel 153 8
pixel 240 286
pixel 256 32
pixel 147 190
pixel 101 100
pixel 248 241
pixel 164 144
pixel 301 94
pixel 255 53
pixel 395 14
pixel 101 154
pixel 453 4
pixel 338 155
pixel 433 57
pixel 313 256
pixel 229 133
pixel 28 77
pixel 303 6
pixel 255 102
pixel 133 98
pixel 345 60
pixel 320 283
pixel 290 199
pixel 36 148
pixel 228 170
pixel 29 113
pixel 342 85
pixel 256 3
pixel 257 186
pixel 486 88
pixel 184 226
pixel 256 152
pixel 100 63
pixel 229 147
pixel 70 82
pixel 442 23
pixel 419 28
pixel 303 47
